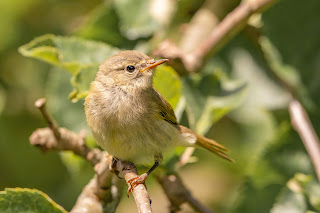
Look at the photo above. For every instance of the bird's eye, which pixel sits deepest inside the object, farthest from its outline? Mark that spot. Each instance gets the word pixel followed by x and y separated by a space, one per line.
pixel 130 68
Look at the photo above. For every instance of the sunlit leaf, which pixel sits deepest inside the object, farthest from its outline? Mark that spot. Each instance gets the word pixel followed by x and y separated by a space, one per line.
pixel 167 82
pixel 78 56
pixel 20 200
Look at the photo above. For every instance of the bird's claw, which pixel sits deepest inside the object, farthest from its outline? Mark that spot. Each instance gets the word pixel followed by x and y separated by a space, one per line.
pixel 133 182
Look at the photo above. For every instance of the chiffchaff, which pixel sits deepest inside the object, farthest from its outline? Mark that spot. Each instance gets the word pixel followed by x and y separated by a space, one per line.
pixel 130 119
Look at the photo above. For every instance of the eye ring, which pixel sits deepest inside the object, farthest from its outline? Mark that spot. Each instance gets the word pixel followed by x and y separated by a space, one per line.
pixel 130 68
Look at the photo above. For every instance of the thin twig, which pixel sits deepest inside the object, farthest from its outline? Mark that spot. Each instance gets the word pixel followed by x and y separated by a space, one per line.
pixel 178 194
pixel 41 105
pixel 184 158
pixel 301 122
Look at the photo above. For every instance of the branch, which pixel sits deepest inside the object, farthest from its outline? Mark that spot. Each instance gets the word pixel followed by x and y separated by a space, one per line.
pixel 301 122
pixel 234 22
pixel 178 194
pixel 139 192
pixel 299 117
pixel 186 155
pixel 100 194
pixel 227 29
pixel 45 139
pixel 41 105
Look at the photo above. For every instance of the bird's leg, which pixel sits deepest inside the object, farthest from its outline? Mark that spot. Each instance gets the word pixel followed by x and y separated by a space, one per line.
pixel 113 166
pixel 142 178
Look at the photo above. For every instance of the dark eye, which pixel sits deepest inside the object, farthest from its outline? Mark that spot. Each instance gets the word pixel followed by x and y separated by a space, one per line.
pixel 130 68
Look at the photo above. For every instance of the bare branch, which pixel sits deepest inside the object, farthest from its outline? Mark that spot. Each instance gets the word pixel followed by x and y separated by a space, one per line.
pixel 100 194
pixel 223 32
pixel 184 158
pixel 69 141
pixel 301 122
pixel 299 117
pixel 139 192
pixel 41 105
pixel 178 194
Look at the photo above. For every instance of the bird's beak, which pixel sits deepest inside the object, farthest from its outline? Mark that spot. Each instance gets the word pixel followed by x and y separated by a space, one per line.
pixel 154 64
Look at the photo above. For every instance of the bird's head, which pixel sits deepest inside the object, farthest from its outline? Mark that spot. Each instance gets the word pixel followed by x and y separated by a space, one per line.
pixel 128 69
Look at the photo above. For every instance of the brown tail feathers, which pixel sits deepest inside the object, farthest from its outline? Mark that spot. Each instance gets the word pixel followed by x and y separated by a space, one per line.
pixel 209 144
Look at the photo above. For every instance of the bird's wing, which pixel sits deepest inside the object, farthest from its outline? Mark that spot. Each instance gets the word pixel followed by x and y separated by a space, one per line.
pixel 165 109
pixel 166 113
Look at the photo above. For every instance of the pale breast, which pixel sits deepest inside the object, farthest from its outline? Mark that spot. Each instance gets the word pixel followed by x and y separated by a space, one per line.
pixel 127 127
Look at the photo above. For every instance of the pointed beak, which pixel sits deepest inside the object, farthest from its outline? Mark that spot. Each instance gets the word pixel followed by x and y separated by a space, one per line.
pixel 154 64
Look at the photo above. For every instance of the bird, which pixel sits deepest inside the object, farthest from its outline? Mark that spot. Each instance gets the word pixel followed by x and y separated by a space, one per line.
pixel 131 120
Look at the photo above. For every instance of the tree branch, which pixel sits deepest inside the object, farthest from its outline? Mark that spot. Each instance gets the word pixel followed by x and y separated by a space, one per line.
pixel 301 122
pixel 223 32
pixel 102 193
pixel 298 115
pixel 45 139
pixel 41 105
pixel 178 194
pixel 139 192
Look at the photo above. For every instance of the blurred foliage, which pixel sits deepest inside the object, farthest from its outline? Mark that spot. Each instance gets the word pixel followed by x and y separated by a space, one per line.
pixel 235 98
pixel 80 57
pixel 27 200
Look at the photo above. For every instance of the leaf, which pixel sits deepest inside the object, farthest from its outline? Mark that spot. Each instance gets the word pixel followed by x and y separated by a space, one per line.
pixel 167 82
pixel 18 200
pixel 78 56
pixel 209 98
pixel 136 20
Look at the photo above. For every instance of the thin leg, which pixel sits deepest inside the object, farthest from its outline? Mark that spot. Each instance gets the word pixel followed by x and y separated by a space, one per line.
pixel 157 160
pixel 142 178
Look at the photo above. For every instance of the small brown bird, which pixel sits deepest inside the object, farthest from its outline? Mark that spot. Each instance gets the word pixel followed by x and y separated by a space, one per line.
pixel 130 119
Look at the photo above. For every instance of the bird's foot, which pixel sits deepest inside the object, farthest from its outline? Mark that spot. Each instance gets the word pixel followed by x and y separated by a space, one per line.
pixel 133 182
pixel 113 167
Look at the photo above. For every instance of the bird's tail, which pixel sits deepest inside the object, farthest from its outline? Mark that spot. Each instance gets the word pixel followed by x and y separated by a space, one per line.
pixel 209 144
pixel 213 146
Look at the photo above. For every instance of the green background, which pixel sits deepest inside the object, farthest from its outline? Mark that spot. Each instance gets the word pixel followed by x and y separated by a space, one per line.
pixel 234 98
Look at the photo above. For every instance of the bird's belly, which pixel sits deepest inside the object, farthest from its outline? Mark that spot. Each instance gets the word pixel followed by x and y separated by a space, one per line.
pixel 139 141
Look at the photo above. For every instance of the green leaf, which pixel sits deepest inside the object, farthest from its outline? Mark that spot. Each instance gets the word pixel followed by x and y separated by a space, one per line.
pixel 210 97
pixel 78 56
pixel 18 200
pixel 167 82
pixel 136 20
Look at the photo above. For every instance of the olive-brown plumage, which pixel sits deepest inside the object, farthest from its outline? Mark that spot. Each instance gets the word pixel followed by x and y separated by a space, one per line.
pixel 129 118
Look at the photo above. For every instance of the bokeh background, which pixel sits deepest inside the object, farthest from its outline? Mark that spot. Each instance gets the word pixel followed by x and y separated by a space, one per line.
pixel 235 98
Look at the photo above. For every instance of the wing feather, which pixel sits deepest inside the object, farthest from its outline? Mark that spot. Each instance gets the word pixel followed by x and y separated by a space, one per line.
pixel 165 109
